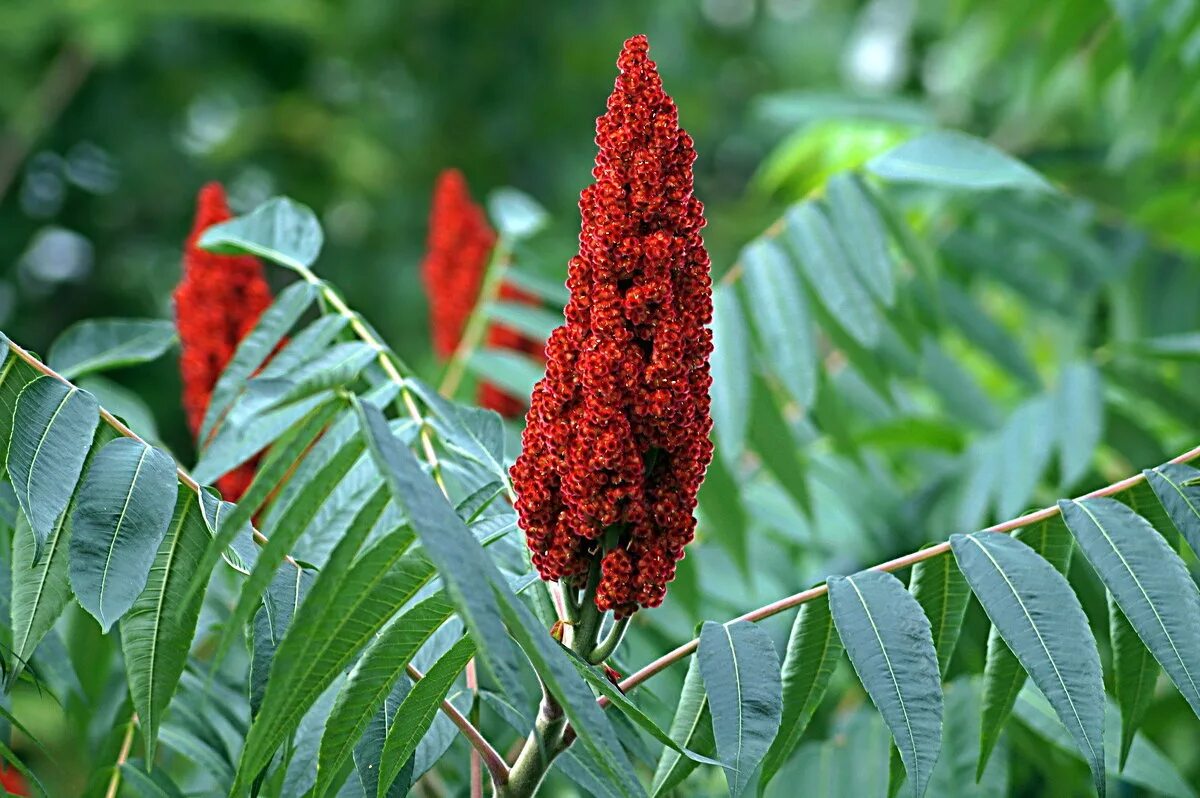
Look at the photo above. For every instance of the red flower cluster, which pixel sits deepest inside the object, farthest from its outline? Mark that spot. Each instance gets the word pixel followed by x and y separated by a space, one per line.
pixel 460 243
pixel 218 301
pixel 616 443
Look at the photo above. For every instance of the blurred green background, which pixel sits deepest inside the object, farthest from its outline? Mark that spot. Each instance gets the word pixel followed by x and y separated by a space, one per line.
pixel 116 111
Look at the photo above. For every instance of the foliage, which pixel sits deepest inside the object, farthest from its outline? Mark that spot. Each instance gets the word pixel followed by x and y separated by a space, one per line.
pixel 935 335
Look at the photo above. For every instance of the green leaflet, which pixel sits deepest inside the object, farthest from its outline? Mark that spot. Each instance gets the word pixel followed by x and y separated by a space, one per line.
pixel 731 378
pixel 1041 621
pixel 531 320
pixel 279 230
pixel 741 676
pixel 254 350
pixel 1180 499
pixel 334 367
pixel 890 645
pixel 123 512
pixel 1078 419
pixel 157 632
pixel 832 278
pixel 691 728
pixel 417 711
pixel 52 429
pixel 284 595
pixel 862 234
pixel 1134 675
pixel 516 214
pixel 781 318
pixel 813 651
pixel 103 344
pixel 1149 582
pixel 1003 677
pixel 324 637
pixel 372 680
pixel 949 159
pixel 41 586
pixel 943 593
pixel 509 370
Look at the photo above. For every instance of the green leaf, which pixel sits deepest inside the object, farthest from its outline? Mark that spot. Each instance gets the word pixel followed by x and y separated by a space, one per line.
pixel 283 536
pixel 982 331
pixel 773 440
pixel 51 432
pixel 888 639
pixel 1172 484
pixel 270 474
pixel 514 373
pixel 157 632
pixel 333 368
pixel 813 651
pixel 862 234
pixel 124 404
pixel 942 591
pixel 372 681
pixel 961 395
pixel 283 597
pixel 741 676
pixel 949 159
pixel 781 318
pixel 634 712
pixel 1042 622
pixel 417 711
pixel 324 637
pixel 279 230
pixel 15 374
pixel 691 728
pixel 305 346
pixel 104 344
pixel 516 214
pixel 1134 675
pixel 237 444
pixel 254 350
pixel 123 512
pixel 146 784
pixel 1003 677
pixel 1078 419
pixel 531 320
pixel 1146 766
pixel 731 378
pixel 1025 451
pixel 551 291
pixel 830 274
pixel 369 749
pixel 1149 582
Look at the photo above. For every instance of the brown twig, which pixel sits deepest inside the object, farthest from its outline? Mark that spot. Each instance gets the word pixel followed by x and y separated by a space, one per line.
pixel 795 600
pixel 114 781
pixel 491 757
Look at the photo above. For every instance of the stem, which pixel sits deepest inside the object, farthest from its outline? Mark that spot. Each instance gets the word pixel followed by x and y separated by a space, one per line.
pixel 915 557
pixel 613 639
pixel 541 747
pixel 476 324
pixel 114 781
pixel 495 763
pixel 475 763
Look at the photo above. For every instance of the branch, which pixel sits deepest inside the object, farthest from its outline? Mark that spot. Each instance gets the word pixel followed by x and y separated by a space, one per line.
pixel 474 737
pixel 795 600
pixel 114 782
pixel 491 757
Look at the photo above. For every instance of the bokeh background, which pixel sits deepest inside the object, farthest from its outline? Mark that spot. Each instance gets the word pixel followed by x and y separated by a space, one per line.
pixel 115 112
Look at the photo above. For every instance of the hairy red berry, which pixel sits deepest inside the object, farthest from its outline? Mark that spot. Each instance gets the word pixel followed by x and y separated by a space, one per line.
pixel 217 302
pixel 616 442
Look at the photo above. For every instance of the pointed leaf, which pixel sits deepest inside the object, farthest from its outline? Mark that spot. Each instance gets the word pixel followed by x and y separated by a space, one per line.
pixel 51 431
pixel 741 676
pixel 530 320
pixel 279 230
pixel 417 711
pixel 1042 622
pixel 813 651
pixel 1079 419
pixel 157 632
pixel 1134 675
pixel 103 344
pixel 949 159
pixel 862 234
pixel 833 280
pixel 1174 486
pixel 942 591
pixel 511 371
pixel 888 639
pixel 516 214
pixel 691 728
pixel 731 379
pixel 123 512
pixel 1149 582
pixel 781 317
